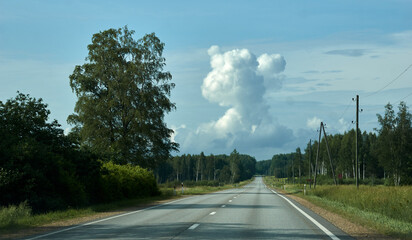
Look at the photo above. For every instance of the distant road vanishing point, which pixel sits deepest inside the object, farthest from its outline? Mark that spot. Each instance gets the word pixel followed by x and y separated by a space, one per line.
pixel 251 212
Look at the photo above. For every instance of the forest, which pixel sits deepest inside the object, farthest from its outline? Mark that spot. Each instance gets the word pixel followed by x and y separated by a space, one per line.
pixel 218 168
pixel 384 156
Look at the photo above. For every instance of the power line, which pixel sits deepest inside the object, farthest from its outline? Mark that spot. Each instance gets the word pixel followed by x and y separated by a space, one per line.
pixel 376 108
pixel 346 109
pixel 410 94
pixel 404 71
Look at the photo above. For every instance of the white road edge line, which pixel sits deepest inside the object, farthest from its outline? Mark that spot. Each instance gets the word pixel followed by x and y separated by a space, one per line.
pixel 325 230
pixel 194 226
pixel 105 219
pixel 212 213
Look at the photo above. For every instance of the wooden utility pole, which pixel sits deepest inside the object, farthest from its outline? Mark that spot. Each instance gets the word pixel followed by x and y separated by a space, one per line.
pixel 310 164
pixel 293 171
pixel 357 129
pixel 317 156
pixel 330 158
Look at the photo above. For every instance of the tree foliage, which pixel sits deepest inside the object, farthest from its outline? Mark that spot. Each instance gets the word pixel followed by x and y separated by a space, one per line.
pixel 222 168
pixel 42 166
pixel 395 143
pixel 385 154
pixel 123 96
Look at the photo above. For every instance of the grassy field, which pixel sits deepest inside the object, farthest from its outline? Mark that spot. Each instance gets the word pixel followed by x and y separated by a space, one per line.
pixel 385 209
pixel 18 218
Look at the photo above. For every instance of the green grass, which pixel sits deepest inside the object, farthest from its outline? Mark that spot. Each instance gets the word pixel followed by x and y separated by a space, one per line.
pixel 386 209
pixel 15 218
pixel 12 215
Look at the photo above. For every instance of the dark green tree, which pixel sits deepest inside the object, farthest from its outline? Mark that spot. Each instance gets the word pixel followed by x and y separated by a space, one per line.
pixel 387 143
pixel 262 167
pixel 346 159
pixel 403 133
pixel 123 95
pixel 395 143
pixel 234 163
pixel 37 162
pixel 299 162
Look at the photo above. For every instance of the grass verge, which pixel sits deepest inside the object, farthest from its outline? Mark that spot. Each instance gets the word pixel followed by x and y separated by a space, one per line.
pixel 386 210
pixel 19 218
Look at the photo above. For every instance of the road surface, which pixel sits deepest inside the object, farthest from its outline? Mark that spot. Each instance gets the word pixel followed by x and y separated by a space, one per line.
pixel 251 212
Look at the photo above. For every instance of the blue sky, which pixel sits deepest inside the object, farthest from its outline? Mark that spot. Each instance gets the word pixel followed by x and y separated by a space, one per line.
pixel 256 76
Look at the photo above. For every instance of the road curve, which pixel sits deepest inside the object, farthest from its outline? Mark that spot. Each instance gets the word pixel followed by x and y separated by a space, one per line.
pixel 251 212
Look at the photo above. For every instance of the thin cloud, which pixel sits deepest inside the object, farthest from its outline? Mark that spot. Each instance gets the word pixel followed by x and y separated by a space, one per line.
pixel 348 52
pixel 332 71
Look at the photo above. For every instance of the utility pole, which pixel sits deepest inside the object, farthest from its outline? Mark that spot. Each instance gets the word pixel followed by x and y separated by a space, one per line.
pixel 310 164
pixel 357 129
pixel 317 156
pixel 330 158
pixel 293 171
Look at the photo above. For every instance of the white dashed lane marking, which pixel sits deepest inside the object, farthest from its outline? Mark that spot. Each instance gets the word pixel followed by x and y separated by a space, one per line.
pixel 194 226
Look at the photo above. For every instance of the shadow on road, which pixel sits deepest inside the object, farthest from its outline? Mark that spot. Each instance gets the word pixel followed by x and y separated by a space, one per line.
pixel 182 231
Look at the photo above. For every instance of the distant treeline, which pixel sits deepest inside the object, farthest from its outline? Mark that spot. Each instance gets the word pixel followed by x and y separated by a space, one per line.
pixel 386 154
pixel 222 168
pixel 49 170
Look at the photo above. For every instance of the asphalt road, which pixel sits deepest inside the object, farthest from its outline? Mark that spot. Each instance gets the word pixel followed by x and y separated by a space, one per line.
pixel 251 212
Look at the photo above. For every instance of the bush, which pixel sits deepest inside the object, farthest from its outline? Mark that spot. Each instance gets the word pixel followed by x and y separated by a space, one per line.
pixel 127 181
pixel 11 214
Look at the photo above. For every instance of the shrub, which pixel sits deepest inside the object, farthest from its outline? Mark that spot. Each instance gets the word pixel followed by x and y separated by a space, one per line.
pixel 11 214
pixel 127 181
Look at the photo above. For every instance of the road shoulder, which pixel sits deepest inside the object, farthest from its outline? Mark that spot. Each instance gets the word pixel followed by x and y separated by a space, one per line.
pixel 57 225
pixel 354 230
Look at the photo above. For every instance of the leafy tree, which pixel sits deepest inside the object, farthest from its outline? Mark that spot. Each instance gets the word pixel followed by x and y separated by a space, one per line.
pixel 394 141
pixel 403 132
pixel 386 142
pixel 281 165
pixel 346 159
pixel 37 162
pixel 310 159
pixel 177 166
pixel 262 167
pixel 210 168
pixel 200 168
pixel 234 162
pixel 123 95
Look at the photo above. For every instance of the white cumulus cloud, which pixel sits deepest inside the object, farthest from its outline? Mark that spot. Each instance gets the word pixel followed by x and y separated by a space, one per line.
pixel 313 123
pixel 271 64
pixel 176 131
pixel 236 81
pixel 343 125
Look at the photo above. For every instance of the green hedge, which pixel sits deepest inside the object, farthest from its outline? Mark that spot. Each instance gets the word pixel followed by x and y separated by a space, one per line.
pixel 127 181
